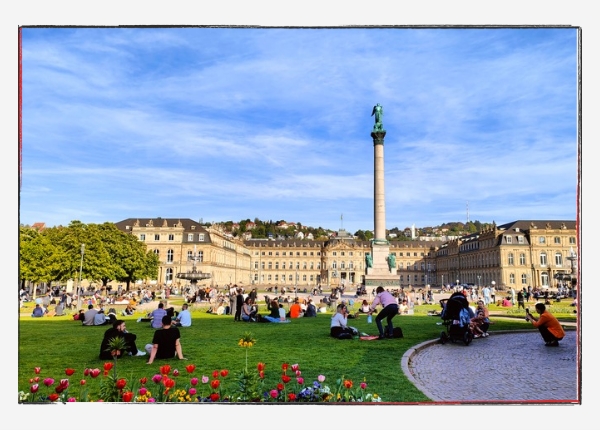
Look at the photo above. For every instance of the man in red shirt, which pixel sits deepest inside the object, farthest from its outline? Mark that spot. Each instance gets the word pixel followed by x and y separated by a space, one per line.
pixel 296 309
pixel 547 324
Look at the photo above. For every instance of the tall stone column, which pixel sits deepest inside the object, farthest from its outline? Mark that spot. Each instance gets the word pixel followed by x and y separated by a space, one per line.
pixel 379 186
pixel 381 267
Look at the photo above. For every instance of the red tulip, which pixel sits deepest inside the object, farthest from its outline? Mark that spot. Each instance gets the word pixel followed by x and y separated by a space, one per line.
pixel 347 383
pixel 59 389
pixel 86 372
pixel 216 374
pixel 53 397
pixel 214 397
pixel 69 371
pixel 143 380
pixel 285 379
pixel 94 373
pixel 176 372
pixel 215 383
pixel 82 382
pixel 169 383
pixel 260 367
pixel 127 396
pixel 285 366
pixel 261 374
pixel 280 386
pixel 165 370
pixel 224 373
pixel 36 379
pixel 121 383
pixel 274 393
pixel 34 388
pixel 291 397
pixel 37 370
pixel 295 367
pixel 363 385
pixel 190 368
pixel 108 366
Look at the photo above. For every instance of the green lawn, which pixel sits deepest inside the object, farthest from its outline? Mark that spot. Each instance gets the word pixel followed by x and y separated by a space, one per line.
pixel 57 343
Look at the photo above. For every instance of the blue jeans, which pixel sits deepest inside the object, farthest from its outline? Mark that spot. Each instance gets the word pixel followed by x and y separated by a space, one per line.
pixel 389 312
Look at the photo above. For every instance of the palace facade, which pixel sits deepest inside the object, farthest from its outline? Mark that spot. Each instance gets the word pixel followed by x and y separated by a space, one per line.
pixel 513 255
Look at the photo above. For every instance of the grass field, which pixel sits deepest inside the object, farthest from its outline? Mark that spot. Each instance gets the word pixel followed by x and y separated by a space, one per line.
pixel 57 343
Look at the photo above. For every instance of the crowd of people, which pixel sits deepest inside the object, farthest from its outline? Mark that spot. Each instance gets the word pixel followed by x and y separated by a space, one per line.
pixel 233 300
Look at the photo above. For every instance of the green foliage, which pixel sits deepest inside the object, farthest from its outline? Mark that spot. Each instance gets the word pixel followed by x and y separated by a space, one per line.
pixel 54 254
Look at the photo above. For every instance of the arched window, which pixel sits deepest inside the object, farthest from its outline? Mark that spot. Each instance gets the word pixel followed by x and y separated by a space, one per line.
pixel 558 260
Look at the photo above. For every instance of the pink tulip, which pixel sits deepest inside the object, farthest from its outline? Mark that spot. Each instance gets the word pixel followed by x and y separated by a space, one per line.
pixel 321 378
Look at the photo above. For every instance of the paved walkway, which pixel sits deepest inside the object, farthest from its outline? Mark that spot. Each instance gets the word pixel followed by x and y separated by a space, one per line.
pixel 506 367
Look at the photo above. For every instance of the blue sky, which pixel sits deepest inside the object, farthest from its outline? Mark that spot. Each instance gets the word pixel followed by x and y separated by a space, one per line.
pixel 225 124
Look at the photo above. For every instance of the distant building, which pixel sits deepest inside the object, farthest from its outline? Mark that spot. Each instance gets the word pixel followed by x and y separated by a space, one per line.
pixel 516 254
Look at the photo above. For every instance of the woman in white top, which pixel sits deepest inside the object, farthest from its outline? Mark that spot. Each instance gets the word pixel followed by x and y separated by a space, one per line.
pixel 339 323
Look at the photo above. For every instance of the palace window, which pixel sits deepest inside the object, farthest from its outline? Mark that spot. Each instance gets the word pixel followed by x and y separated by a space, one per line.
pixel 190 237
pixel 558 260
pixel 511 259
pixel 511 278
pixel 142 237
pixel 542 240
pixel 543 259
pixel 157 237
pixel 508 239
pixel 522 260
pixel 171 237
pixel 170 254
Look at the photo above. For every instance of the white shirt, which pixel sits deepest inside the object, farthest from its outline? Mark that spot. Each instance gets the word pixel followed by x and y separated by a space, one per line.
pixel 185 318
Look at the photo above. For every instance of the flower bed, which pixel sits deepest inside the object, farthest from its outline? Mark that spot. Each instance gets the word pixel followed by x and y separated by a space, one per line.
pixel 173 385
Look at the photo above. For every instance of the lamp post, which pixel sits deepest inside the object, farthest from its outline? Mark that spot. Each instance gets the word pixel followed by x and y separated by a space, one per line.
pixel 79 290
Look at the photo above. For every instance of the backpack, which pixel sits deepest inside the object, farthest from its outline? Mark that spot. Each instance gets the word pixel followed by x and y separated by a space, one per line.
pixel 396 333
pixel 344 336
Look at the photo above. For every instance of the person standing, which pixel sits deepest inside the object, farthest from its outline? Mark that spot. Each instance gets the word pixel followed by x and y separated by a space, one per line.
pixel 521 299
pixel 239 302
pixel 486 295
pixel 389 311
pixel 547 324
pixel 165 342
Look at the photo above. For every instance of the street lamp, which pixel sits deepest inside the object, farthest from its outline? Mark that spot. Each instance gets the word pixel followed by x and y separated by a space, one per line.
pixel 79 290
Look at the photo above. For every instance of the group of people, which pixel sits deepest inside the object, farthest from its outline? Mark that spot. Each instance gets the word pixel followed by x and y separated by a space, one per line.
pixel 389 309
pixel 166 342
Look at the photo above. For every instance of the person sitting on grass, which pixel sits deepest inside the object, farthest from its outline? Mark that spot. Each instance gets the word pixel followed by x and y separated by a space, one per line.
pixel 165 342
pixel 339 323
pixel 118 330
pixel 184 318
pixel 38 311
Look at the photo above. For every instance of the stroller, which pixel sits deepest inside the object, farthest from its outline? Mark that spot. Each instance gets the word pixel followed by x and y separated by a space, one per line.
pixel 456 315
